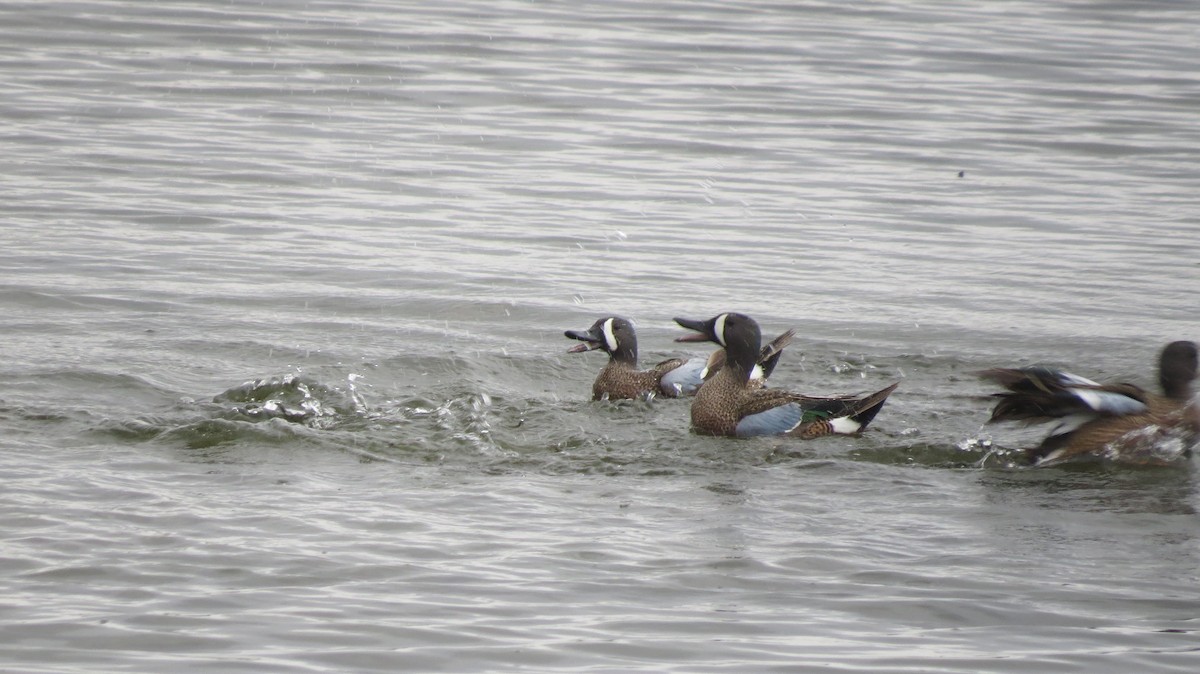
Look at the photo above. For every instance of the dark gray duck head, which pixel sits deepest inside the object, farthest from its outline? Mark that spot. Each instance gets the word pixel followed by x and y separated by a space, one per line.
pixel 612 334
pixel 1177 369
pixel 737 333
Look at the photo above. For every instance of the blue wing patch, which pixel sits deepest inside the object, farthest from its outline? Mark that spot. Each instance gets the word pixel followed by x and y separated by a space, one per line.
pixel 685 379
pixel 774 421
pixel 1108 402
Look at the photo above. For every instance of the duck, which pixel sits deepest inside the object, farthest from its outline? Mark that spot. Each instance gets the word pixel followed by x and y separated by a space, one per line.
pixel 728 405
pixel 1117 422
pixel 672 378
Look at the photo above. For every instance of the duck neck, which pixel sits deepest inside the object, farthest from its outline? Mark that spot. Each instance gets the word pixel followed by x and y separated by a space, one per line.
pixel 624 355
pixel 741 359
pixel 1176 388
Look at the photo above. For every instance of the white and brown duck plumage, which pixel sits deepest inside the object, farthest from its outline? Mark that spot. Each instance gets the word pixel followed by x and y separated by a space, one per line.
pixel 672 378
pixel 1119 422
pixel 728 404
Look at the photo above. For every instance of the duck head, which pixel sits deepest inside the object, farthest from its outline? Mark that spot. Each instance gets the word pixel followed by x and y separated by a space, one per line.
pixel 613 334
pixel 1177 368
pixel 738 334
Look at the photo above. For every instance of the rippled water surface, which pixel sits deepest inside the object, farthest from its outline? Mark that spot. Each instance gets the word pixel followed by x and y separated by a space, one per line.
pixel 284 385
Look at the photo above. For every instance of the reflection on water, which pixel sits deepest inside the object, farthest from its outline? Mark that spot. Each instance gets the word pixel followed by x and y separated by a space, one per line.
pixel 1098 488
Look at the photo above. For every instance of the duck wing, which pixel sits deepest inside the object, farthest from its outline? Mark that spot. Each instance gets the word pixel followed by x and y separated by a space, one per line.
pixel 772 412
pixel 680 377
pixel 1040 394
pixel 769 358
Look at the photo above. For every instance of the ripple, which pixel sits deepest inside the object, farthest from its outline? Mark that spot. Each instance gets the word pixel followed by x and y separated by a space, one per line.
pixel 380 219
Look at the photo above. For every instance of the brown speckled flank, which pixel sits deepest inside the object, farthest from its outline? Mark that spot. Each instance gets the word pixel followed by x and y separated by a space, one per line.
pixel 727 404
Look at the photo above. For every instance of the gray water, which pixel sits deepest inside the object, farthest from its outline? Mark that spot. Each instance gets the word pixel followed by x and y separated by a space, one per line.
pixel 284 385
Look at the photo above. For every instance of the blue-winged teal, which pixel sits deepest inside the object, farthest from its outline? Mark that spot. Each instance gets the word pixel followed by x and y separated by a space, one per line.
pixel 672 378
pixel 727 404
pixel 1117 422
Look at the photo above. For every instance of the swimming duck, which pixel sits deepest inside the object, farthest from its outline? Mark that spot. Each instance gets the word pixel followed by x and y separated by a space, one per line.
pixel 1119 422
pixel 673 378
pixel 728 405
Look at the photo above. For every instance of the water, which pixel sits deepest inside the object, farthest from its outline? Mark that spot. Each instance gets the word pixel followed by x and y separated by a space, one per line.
pixel 284 381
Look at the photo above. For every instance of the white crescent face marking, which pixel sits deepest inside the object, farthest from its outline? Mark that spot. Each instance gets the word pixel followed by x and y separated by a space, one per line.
pixel 719 329
pixel 609 338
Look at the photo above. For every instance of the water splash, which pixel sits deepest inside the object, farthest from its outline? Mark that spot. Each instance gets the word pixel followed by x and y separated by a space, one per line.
pixel 1152 445
pixel 292 398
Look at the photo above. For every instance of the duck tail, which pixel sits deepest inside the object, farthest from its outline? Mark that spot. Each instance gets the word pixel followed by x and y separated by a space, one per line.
pixel 866 408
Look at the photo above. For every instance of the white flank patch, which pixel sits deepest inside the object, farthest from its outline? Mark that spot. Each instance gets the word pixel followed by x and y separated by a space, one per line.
pixel 757 372
pixel 609 338
pixel 719 329
pixel 845 425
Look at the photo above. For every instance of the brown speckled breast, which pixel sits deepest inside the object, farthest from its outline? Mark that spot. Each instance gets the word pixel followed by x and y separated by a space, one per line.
pixel 715 409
